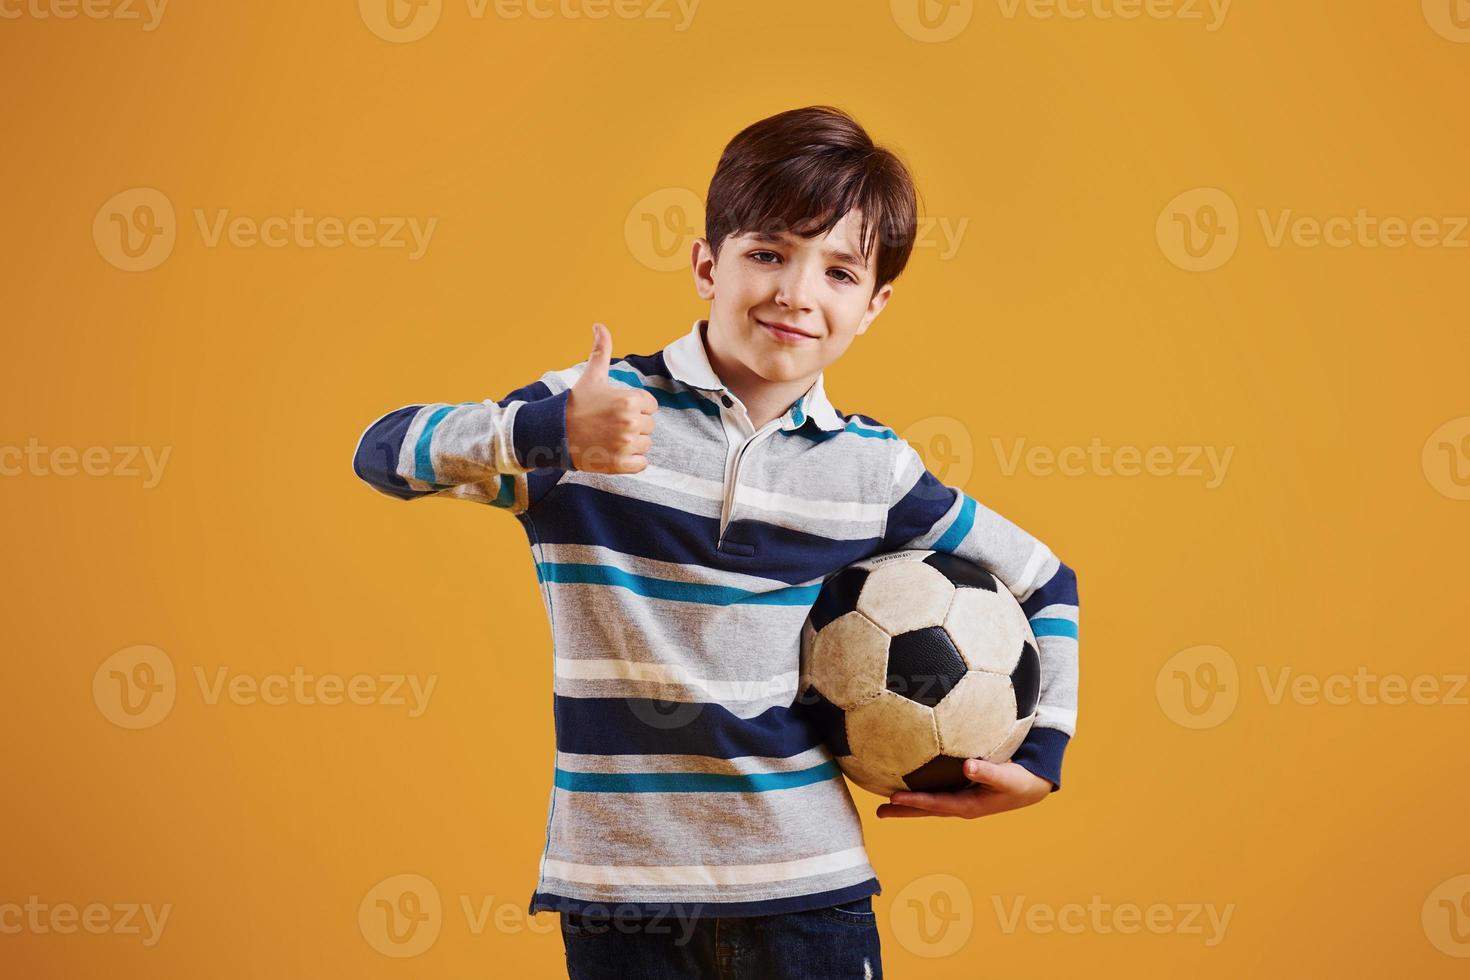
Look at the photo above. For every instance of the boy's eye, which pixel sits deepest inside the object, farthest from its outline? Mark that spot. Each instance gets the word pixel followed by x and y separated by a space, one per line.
pixel 846 277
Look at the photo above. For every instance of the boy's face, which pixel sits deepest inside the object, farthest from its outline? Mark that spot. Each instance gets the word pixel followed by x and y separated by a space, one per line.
pixel 819 287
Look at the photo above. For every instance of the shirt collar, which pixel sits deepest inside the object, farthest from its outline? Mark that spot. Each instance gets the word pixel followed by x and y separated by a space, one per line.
pixel 688 361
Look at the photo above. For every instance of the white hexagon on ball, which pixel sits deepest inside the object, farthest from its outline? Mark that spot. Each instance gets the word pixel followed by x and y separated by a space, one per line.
pixel 906 595
pixel 988 629
pixel 848 660
pixel 892 734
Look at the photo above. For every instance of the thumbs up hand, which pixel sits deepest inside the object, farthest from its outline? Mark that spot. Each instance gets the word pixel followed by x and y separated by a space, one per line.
pixel 609 427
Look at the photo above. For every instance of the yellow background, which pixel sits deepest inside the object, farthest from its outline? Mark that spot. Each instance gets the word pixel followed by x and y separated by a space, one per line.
pixel 1059 319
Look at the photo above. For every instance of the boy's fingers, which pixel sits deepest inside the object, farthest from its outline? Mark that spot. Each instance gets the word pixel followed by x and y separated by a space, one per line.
pixel 985 773
pixel 895 810
pixel 930 802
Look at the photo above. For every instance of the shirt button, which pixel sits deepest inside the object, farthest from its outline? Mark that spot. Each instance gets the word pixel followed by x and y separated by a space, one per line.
pixel 726 400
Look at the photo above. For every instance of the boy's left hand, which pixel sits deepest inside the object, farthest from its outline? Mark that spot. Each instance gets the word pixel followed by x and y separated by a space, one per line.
pixel 998 788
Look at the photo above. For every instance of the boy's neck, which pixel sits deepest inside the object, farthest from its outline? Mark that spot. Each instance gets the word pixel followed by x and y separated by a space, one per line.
pixel 763 400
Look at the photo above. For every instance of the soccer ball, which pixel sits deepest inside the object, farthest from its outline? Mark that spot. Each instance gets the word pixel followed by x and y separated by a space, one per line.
pixel 913 662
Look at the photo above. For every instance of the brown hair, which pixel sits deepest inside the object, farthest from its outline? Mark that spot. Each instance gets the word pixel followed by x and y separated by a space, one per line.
pixel 803 169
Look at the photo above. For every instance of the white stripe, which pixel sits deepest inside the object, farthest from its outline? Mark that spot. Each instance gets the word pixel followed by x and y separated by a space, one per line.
pixel 1051 717
pixel 904 461
pixel 695 486
pixel 766 500
pixel 831 510
pixel 567 377
pixel 1057 610
pixel 634 670
pixel 744 765
pixel 701 874
pixel 1025 584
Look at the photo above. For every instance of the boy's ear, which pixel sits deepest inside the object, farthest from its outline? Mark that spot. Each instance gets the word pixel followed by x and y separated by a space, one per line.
pixel 702 258
pixel 875 306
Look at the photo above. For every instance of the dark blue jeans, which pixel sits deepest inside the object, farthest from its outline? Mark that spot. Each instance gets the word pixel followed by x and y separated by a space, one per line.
pixel 840 941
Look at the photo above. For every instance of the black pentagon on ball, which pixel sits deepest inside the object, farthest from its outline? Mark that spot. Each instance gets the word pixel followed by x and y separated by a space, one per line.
pixel 962 574
pixel 923 665
pixel 839 595
pixel 941 774
pixel 827 721
pixel 1026 680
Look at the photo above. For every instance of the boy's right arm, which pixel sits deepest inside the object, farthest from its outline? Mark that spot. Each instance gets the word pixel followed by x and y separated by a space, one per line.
pixel 487 451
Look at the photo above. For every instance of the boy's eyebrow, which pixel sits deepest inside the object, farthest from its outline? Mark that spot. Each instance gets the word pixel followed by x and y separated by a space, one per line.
pixel 783 238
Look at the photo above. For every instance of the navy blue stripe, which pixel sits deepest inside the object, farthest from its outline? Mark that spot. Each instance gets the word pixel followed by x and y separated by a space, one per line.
pixel 643 726
pixel 671 912
pixel 540 433
pixel 1041 754
pixel 533 392
pixel 1060 588
pixel 376 458
pixel 926 503
pixel 579 514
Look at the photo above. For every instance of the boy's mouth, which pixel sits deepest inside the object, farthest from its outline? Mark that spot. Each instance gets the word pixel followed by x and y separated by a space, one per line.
pixel 784 333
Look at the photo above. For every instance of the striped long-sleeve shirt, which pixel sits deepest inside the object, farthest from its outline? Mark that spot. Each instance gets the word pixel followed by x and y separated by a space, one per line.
pixel 686 774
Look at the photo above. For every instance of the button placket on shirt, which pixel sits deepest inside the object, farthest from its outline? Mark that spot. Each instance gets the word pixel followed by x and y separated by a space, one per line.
pixel 737 450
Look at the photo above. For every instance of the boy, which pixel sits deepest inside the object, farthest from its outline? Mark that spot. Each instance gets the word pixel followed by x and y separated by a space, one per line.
pixel 683 509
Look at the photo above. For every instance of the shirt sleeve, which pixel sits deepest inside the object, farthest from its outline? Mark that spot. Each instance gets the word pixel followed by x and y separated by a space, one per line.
pixel 926 513
pixel 506 453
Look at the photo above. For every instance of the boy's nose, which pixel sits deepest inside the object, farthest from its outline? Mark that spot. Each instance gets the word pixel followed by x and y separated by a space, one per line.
pixel 793 292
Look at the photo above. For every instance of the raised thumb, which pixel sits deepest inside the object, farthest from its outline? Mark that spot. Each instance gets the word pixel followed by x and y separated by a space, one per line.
pixel 601 356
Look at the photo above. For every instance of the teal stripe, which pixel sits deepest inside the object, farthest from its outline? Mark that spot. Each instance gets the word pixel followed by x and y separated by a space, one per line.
pixel 692 782
pixel 961 526
pixel 871 433
pixel 667 399
pixel 507 495
pixel 1053 627
pixel 423 460
pixel 577 573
